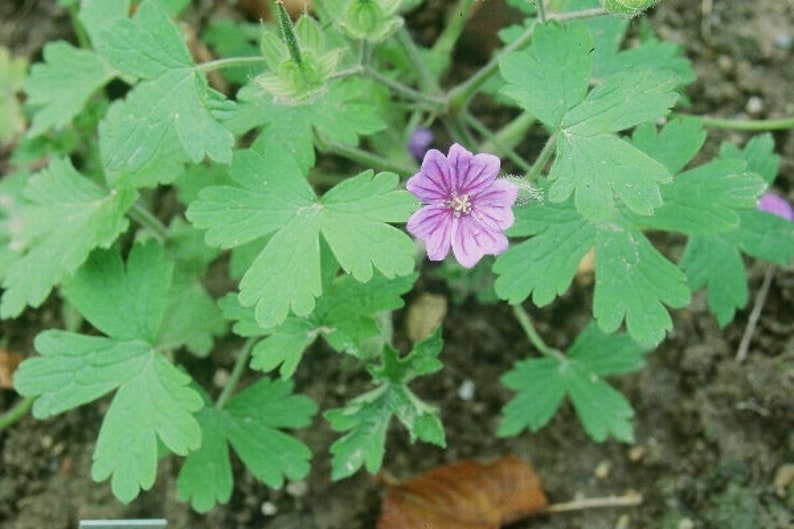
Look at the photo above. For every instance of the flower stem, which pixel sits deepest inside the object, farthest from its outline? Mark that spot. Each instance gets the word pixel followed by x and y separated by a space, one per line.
pixel 237 372
pixel 755 315
pixel 19 410
pixel 526 324
pixel 140 214
pixel 541 10
pixel 427 81
pixel 401 89
pixel 751 125
pixel 492 142
pixel 453 28
pixel 515 131
pixel 365 158
pixel 229 62
pixel 548 149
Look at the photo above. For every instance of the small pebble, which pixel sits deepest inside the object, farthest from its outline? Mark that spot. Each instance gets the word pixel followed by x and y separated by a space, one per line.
pixel 297 489
pixel 466 390
pixel 636 453
pixel 602 470
pixel 784 478
pixel 220 379
pixel 783 41
pixel 686 523
pixel 268 508
pixel 754 105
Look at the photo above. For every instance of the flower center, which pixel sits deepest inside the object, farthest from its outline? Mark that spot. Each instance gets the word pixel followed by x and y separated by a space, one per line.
pixel 461 205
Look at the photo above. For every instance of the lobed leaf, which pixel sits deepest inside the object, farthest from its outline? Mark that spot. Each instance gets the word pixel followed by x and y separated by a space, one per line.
pixel 634 281
pixel 65 218
pixel 545 264
pixel 552 75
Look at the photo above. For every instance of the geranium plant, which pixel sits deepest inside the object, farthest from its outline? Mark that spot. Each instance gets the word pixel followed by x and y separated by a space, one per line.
pixel 302 170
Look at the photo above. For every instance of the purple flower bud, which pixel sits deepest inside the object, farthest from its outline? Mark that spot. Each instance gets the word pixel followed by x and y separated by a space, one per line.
pixel 420 142
pixel 467 208
pixel 776 205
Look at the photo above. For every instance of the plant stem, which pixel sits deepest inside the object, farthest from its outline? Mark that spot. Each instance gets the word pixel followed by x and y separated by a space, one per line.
pixel 401 89
pixel 541 10
pixel 515 131
pixel 237 372
pixel 529 329
pixel 492 142
pixel 755 315
pixel 365 158
pixel 19 410
pixel 229 62
pixel 453 28
pixel 752 125
pixel 548 149
pixel 427 81
pixel 141 214
pixel 627 500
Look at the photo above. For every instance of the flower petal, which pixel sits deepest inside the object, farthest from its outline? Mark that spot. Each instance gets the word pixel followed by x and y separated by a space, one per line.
pixel 473 173
pixel 471 240
pixel 433 183
pixel 493 206
pixel 433 224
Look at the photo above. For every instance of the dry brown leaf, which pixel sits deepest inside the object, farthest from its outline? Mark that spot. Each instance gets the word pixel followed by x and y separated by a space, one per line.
pixel 8 364
pixel 465 495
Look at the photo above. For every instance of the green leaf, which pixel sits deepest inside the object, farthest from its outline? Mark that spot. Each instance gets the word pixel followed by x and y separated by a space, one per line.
pixel 60 87
pixel 154 403
pixel 98 15
pixel 759 153
pixel 675 145
pixel 552 75
pixel 103 288
pixel 545 264
pixel 654 54
pixel 765 236
pixel 717 264
pixel 595 168
pixel 173 97
pixel 634 281
pixel 67 216
pixel 179 102
pixel 343 114
pixel 12 78
pixel 542 384
pixel 146 46
pixel 284 346
pixel 352 218
pixel 252 423
pixel 621 101
pixel 707 199
pixel 366 418
pixel 206 476
pixel 74 369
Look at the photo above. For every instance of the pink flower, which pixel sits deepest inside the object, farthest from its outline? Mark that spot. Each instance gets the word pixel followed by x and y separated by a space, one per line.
pixel 466 207
pixel 777 205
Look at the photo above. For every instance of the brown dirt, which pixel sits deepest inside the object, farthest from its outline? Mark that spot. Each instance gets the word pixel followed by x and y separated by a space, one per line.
pixel 711 433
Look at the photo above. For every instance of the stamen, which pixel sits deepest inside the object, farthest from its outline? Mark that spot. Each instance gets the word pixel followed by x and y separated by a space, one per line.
pixel 461 205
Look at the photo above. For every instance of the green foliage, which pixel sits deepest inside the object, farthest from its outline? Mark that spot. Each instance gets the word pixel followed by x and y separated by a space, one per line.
pixel 153 402
pixel 367 417
pixel 276 201
pixel 542 384
pixel 65 216
pixel 251 423
pixel 279 167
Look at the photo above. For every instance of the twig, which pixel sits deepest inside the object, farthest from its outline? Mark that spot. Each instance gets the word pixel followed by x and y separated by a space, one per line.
pixel 630 499
pixel 752 322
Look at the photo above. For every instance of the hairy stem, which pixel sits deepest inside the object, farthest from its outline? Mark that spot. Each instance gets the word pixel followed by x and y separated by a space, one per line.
pixel 19 410
pixel 141 214
pixel 237 372
pixel 365 158
pixel 751 125
pixel 526 324
pixel 229 62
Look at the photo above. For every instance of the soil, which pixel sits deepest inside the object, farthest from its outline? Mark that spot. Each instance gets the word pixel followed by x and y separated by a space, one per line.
pixel 713 436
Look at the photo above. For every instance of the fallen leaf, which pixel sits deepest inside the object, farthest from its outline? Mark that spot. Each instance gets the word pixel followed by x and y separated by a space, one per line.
pixel 465 495
pixel 8 364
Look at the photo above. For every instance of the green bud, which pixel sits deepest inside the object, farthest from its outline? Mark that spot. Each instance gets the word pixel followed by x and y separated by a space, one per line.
pixel 627 7
pixel 372 20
